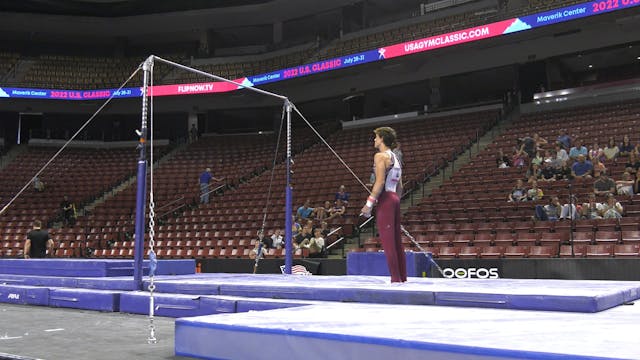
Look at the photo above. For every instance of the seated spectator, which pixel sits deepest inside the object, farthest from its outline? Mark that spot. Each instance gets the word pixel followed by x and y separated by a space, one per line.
pixel 549 212
pixel 537 159
pixel 581 168
pixel 277 240
pixel 305 211
pixel 561 156
pixel 564 172
pixel 502 161
pixel 611 209
pixel 578 150
pixel 591 209
pixel 315 244
pixel 633 164
pixel 534 193
pixel 626 147
pixel 611 150
pixel 519 158
pixel 598 165
pixel 342 195
pixel 603 184
pixel 321 213
pixel 303 237
pixel 636 183
pixel 596 152
pixel 324 229
pixel 534 171
pixel 38 184
pixel 337 210
pixel 518 193
pixel 548 173
pixel 295 227
pixel 266 241
pixel 625 186
pixel 564 139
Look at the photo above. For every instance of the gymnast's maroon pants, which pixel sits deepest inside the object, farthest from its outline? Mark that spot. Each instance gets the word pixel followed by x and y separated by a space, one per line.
pixel 388 221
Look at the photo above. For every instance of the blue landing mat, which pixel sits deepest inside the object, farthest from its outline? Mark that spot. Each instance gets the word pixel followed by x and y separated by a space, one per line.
pixel 91 267
pixel 373 331
pixel 553 295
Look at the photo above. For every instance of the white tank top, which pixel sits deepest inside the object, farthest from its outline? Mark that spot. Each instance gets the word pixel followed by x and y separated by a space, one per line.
pixel 393 173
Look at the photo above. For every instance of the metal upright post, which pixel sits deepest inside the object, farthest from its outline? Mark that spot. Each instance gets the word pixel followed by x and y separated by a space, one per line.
pixel 142 180
pixel 288 198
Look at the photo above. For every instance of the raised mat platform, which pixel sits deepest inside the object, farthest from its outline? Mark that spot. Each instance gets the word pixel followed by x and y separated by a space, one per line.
pixel 91 267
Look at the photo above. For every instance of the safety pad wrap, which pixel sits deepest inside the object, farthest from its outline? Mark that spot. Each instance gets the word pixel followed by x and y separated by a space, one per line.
pixel 175 305
pixel 100 300
pixel 24 295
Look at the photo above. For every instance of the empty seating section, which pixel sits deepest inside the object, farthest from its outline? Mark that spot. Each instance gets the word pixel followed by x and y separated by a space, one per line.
pixel 179 214
pixel 474 199
pixel 236 68
pixel 7 62
pixel 80 72
pixel 81 174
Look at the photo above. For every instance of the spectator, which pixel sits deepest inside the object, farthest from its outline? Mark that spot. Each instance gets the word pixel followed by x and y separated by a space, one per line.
pixel 538 159
pixel 564 172
pixel 304 212
pixel 295 227
pixel 277 239
pixel 564 139
pixel 578 150
pixel 582 168
pixel 611 150
pixel 534 193
pixel 534 172
pixel 625 186
pixel 38 184
pixel 38 242
pixel 68 211
pixel 548 173
pixel 518 193
pixel 636 183
pixel 561 156
pixel 321 213
pixel 193 133
pixel 596 152
pixel 539 141
pixel 611 209
pixel 342 195
pixel 549 212
pixel 519 158
pixel 603 184
pixel 633 164
pixel 598 165
pixel 527 145
pixel 205 180
pixel 626 147
pixel 591 209
pixel 267 241
pixel 502 161
pixel 316 244
pixel 303 237
pixel 337 210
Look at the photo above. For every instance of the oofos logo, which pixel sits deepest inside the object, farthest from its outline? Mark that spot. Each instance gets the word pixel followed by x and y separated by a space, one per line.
pixel 478 273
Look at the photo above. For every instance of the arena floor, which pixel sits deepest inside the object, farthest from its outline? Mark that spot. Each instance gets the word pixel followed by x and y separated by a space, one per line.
pixel 34 332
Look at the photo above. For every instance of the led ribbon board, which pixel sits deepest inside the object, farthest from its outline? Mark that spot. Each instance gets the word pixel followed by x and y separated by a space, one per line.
pixel 388 52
